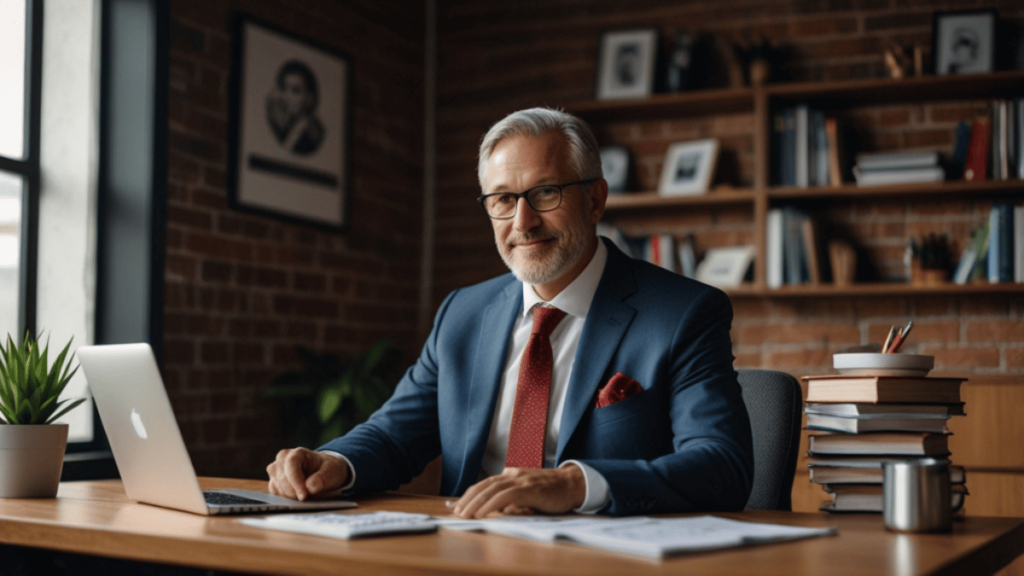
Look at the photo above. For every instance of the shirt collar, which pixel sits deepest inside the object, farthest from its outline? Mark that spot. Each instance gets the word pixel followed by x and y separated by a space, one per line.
pixel 576 298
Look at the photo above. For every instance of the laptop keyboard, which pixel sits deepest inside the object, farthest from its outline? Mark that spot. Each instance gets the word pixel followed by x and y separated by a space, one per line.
pixel 222 499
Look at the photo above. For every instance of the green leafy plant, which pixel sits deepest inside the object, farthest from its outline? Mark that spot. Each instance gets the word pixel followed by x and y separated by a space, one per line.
pixel 29 389
pixel 331 394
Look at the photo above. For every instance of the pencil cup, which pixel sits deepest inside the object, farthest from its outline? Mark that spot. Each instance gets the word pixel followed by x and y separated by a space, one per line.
pixel 916 496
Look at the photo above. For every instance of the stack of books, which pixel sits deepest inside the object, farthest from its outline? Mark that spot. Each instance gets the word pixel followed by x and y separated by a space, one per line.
pixel 863 421
pixel 880 168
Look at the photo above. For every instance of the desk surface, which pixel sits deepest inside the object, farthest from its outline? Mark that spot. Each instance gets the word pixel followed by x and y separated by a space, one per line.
pixel 96 518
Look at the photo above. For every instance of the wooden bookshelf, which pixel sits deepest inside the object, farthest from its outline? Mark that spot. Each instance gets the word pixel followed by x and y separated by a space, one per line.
pixel 760 102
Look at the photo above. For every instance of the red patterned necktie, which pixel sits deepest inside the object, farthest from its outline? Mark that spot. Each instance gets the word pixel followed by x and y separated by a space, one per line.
pixel 530 412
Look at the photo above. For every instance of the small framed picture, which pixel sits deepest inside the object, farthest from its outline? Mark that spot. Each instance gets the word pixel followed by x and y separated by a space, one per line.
pixel 615 166
pixel 688 167
pixel 725 267
pixel 290 126
pixel 626 64
pixel 964 42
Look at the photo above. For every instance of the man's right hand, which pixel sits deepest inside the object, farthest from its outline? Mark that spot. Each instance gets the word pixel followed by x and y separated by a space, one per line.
pixel 299 473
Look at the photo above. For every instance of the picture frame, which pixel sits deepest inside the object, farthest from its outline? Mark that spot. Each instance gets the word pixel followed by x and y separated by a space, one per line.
pixel 626 63
pixel 725 267
pixel 615 166
pixel 963 42
pixel 290 128
pixel 688 167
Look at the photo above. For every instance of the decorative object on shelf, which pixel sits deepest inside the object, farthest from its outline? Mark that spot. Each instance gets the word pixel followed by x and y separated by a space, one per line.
pixel 688 167
pixel 903 62
pixel 615 165
pixel 725 267
pixel 31 445
pixel 843 261
pixel 290 126
pixel 626 64
pixel 964 42
pixel 758 56
pixel 680 61
pixel 932 259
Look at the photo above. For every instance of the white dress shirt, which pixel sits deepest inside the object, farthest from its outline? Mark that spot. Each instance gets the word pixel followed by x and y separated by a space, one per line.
pixel 575 301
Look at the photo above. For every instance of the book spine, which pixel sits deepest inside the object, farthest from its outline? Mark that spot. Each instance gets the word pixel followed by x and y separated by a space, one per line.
pixel 789 147
pixel 994 244
pixel 1005 243
pixel 1018 243
pixel 835 173
pixel 802 150
pixel 773 247
pixel 976 163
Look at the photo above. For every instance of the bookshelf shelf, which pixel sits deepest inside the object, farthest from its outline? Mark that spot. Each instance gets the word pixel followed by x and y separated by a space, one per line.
pixel 647 211
pixel 875 289
pixel 647 200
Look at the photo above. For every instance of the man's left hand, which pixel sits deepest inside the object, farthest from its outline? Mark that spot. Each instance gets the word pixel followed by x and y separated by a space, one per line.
pixel 525 491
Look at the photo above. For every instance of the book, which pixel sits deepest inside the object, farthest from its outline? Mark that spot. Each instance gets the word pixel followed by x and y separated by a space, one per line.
pixel 810 245
pixel 859 474
pixel 801 152
pixel 1000 248
pixel 874 389
pixel 956 163
pixel 869 497
pixel 898 175
pixel 897 160
pixel 855 425
pixel 835 173
pixel 976 162
pixel 642 536
pixel 879 444
pixel 1018 243
pixel 774 248
pixel 856 410
pixel 788 148
pixel 819 175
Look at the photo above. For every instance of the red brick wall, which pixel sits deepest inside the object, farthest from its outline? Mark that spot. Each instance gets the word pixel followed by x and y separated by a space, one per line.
pixel 499 57
pixel 243 290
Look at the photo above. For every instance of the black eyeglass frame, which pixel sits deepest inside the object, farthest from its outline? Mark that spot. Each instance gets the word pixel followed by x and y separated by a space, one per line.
pixel 526 196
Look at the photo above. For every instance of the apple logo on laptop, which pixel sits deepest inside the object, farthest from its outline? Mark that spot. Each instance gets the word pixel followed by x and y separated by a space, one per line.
pixel 140 429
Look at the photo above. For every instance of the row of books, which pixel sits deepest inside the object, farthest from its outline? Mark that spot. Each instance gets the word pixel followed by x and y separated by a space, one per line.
pixel 995 251
pixel 860 422
pixel 665 250
pixel 792 250
pixel 805 148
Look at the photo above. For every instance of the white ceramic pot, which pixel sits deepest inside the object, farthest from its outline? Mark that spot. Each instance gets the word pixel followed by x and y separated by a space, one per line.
pixel 31 459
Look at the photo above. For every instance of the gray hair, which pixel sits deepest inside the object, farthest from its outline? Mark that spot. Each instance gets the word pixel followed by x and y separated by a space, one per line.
pixel 584 154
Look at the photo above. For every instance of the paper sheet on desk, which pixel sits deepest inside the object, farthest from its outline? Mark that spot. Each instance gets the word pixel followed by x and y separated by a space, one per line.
pixel 642 536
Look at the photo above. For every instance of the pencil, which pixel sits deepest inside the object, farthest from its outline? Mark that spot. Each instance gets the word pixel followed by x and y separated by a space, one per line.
pixel 888 340
pixel 900 338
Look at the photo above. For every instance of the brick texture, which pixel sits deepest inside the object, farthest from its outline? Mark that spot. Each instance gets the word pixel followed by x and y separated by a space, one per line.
pixel 497 58
pixel 243 290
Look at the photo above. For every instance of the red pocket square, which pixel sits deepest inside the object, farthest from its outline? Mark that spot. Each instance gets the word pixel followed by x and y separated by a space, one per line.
pixel 619 388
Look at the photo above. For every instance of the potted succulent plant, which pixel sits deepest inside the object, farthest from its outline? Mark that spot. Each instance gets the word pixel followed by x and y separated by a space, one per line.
pixel 31 445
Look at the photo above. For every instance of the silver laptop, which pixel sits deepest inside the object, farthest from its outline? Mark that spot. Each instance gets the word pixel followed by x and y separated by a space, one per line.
pixel 147 443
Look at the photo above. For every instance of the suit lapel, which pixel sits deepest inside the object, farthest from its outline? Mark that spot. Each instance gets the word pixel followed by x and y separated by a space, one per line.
pixel 607 321
pixel 492 349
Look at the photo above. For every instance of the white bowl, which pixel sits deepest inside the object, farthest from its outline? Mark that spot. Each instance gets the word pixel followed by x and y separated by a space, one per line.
pixel 876 364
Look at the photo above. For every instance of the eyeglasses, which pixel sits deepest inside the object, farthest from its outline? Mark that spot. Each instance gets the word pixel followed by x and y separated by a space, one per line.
pixel 544 198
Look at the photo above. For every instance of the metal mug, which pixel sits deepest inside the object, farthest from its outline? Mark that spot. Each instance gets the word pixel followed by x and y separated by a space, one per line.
pixel 916 495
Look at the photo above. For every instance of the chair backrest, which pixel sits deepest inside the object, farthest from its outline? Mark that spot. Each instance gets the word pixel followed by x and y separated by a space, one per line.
pixel 774 402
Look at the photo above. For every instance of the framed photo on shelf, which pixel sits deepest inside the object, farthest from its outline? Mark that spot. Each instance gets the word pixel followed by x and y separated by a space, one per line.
pixel 725 267
pixel 626 64
pixel 964 42
pixel 289 129
pixel 615 166
pixel 688 167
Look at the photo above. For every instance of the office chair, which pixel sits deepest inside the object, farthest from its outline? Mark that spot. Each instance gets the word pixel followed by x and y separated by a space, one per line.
pixel 774 402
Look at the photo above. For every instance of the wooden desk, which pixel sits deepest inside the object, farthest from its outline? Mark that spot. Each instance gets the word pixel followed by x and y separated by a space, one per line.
pixel 95 518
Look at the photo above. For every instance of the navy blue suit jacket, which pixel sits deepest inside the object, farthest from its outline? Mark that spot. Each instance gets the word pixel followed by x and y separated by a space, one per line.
pixel 682 444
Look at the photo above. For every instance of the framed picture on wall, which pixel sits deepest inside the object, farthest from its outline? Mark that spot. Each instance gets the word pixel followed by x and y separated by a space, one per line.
pixel 290 125
pixel 964 42
pixel 688 167
pixel 626 64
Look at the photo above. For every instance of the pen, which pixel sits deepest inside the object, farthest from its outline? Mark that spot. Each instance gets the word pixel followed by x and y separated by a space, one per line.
pixel 900 338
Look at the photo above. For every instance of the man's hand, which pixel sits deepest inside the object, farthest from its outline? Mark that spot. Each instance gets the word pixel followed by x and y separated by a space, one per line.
pixel 300 473
pixel 524 491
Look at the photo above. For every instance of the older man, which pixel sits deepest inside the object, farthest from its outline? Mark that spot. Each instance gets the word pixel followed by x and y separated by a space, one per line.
pixel 584 380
